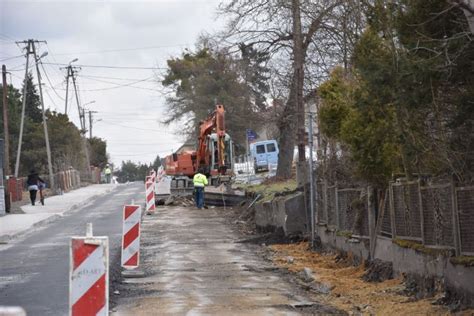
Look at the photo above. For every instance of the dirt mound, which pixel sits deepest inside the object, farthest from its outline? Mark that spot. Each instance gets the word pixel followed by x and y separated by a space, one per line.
pixel 179 200
pixel 378 271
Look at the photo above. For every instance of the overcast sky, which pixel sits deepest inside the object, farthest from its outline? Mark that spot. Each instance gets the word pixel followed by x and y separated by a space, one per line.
pixel 109 33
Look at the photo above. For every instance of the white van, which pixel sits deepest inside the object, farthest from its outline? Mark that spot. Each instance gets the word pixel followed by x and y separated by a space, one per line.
pixel 264 154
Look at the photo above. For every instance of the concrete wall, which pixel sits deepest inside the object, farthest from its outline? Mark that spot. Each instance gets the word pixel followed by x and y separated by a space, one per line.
pixel 287 214
pixel 455 278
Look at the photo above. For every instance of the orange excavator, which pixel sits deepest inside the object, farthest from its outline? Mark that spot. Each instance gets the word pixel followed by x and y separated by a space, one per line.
pixel 213 155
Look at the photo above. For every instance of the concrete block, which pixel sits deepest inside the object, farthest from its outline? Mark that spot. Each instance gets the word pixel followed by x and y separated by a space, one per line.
pixel 294 214
pixel 265 219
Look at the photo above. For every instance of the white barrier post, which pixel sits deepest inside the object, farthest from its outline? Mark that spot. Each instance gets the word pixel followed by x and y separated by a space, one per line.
pixel 131 236
pixel 89 275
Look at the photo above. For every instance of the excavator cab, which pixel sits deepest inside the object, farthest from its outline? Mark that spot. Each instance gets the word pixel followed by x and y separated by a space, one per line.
pixel 220 174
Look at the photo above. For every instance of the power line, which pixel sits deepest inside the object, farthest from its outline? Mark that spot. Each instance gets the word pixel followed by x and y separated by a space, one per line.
pixel 116 78
pixel 7 37
pixel 13 57
pixel 51 99
pixel 49 81
pixel 112 67
pixel 51 54
pixel 130 84
pixel 120 50
pixel 141 144
pixel 133 127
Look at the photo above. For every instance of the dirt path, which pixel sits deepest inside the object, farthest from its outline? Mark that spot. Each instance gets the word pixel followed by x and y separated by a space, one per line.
pixel 194 266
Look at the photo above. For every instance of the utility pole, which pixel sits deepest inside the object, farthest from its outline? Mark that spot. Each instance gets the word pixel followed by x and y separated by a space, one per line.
pixel 82 120
pixel 22 121
pixel 45 123
pixel 5 121
pixel 68 69
pixel 69 73
pixel 90 123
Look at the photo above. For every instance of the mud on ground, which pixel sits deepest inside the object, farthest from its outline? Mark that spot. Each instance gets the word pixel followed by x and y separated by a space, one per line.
pixel 363 289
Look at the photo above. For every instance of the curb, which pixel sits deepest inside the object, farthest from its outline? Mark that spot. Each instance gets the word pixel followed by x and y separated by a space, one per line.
pixel 5 239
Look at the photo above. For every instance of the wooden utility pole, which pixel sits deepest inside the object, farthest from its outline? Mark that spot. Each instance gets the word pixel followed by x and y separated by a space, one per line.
pixel 45 123
pixel 5 121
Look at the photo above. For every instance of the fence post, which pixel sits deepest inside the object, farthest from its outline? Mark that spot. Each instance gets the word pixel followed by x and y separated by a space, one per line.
pixel 372 220
pixel 325 200
pixel 336 205
pixel 422 218
pixel 457 236
pixel 392 210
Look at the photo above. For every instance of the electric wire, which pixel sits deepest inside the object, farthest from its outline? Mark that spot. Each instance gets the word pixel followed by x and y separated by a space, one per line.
pixel 49 81
pixel 9 58
pixel 137 128
pixel 120 50
pixel 112 67
pixel 116 78
pixel 130 84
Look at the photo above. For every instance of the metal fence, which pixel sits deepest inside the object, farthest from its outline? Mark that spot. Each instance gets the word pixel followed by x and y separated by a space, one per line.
pixel 64 181
pixel 344 209
pixel 438 216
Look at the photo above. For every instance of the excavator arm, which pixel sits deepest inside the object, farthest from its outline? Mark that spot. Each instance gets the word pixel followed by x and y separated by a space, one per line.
pixel 215 121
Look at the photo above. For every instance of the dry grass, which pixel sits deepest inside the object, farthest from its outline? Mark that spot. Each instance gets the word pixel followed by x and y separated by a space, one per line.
pixel 348 291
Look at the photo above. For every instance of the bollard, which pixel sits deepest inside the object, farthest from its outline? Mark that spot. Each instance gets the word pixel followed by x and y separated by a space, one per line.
pixel 131 236
pixel 150 197
pixel 89 275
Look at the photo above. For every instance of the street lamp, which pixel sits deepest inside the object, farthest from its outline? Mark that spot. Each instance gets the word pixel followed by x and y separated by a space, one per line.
pixel 73 61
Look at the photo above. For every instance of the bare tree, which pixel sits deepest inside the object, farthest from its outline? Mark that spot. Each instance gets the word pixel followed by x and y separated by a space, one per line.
pixel 287 31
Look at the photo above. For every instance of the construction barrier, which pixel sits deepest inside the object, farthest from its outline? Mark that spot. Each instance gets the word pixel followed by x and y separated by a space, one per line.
pixel 131 236
pixel 150 197
pixel 89 275
pixel 160 173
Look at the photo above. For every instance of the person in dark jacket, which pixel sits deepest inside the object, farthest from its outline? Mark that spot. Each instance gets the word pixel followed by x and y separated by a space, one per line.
pixel 34 182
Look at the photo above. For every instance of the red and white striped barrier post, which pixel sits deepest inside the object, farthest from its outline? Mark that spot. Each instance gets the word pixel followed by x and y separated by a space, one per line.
pixel 150 197
pixel 153 176
pixel 131 236
pixel 89 275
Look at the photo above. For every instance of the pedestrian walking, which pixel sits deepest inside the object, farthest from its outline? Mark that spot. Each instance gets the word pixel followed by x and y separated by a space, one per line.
pixel 34 182
pixel 107 173
pixel 199 181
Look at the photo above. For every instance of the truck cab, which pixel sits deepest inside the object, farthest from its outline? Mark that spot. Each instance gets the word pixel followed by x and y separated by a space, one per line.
pixel 264 153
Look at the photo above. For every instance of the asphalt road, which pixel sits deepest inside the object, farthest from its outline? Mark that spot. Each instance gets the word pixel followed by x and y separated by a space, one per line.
pixel 34 269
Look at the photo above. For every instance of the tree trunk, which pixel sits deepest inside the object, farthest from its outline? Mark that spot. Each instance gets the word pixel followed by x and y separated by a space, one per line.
pixel 292 118
pixel 298 78
pixel 287 128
